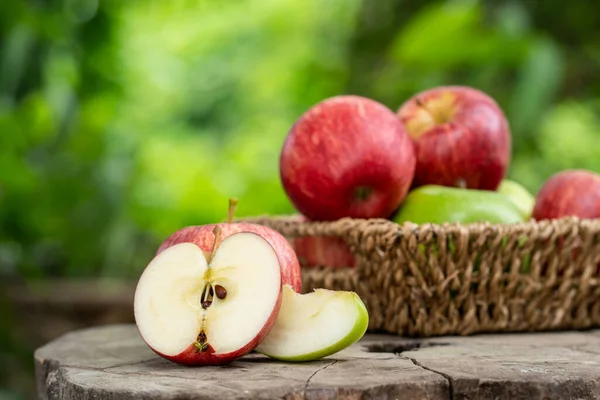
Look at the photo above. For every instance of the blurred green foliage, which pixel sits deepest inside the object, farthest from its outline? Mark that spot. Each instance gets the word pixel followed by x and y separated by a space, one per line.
pixel 121 122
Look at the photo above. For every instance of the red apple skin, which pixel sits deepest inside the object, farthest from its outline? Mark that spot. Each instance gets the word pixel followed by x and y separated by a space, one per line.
pixel 203 237
pixel 574 192
pixel 340 148
pixel 462 137
pixel 323 251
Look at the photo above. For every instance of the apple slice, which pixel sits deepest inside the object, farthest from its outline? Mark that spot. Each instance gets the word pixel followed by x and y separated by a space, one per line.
pixel 315 325
pixel 210 309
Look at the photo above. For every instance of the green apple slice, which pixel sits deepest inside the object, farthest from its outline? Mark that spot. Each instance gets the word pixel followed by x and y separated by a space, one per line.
pixel 315 325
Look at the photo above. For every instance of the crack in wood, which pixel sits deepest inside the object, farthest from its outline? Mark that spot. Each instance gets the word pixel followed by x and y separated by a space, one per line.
pixel 126 364
pixel 122 373
pixel 313 375
pixel 105 369
pixel 397 348
pixel 442 374
pixel 447 377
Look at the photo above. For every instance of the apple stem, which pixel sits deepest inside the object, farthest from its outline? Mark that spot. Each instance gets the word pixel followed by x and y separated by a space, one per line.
pixel 362 192
pixel 232 205
pixel 428 110
pixel 217 232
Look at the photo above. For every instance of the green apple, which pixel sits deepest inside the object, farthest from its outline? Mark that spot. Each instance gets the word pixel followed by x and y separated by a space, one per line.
pixel 315 325
pixel 438 204
pixel 521 198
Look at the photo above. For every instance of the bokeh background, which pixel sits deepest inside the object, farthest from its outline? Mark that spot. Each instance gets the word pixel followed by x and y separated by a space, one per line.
pixel 122 121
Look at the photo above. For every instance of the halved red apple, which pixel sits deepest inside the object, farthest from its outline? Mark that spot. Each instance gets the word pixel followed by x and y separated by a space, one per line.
pixel 209 309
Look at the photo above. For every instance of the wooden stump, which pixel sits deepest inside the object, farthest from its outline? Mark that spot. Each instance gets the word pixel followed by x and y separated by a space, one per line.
pixel 112 362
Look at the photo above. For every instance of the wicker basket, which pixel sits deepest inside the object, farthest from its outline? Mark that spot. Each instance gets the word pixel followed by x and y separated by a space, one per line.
pixel 430 280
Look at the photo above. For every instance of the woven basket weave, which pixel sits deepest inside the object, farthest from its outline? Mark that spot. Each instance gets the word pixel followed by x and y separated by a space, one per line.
pixel 430 280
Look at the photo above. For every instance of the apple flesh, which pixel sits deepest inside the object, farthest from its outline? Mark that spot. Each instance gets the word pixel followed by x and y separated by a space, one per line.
pixel 315 325
pixel 203 237
pixel 462 137
pixel 347 156
pixel 569 193
pixel 194 309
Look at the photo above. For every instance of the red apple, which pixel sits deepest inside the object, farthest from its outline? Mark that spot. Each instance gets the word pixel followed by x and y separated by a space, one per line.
pixel 322 251
pixel 347 156
pixel 461 136
pixel 212 293
pixel 573 192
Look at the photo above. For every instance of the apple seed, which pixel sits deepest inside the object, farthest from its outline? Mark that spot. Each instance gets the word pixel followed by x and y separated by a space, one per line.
pixel 220 291
pixel 203 295
pixel 201 337
pixel 207 296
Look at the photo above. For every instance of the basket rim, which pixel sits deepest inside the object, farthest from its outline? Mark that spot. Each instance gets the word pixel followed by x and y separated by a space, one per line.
pixel 333 227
